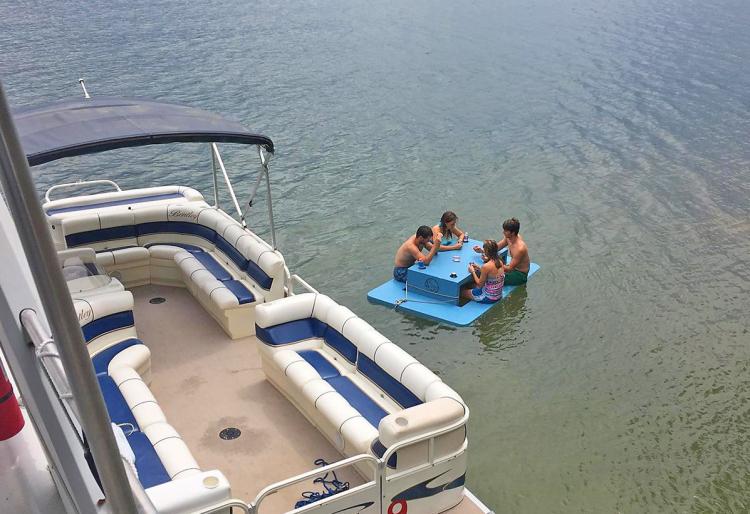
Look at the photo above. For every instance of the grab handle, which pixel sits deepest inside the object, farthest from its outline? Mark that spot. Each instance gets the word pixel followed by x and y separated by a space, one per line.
pixel 79 183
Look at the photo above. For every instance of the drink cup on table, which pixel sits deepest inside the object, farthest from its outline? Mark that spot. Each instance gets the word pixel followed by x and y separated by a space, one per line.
pixel 421 265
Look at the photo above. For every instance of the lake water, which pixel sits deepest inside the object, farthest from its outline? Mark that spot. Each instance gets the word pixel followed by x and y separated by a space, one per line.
pixel 617 132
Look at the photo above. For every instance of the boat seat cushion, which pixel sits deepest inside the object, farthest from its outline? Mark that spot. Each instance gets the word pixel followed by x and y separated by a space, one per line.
pixel 358 399
pixel 138 397
pixel 317 360
pixel 117 407
pixel 216 283
pixel 213 266
pixel 242 293
pixel 150 469
pixel 172 450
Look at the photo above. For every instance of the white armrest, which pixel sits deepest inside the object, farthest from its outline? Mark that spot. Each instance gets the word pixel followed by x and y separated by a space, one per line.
pixel 419 420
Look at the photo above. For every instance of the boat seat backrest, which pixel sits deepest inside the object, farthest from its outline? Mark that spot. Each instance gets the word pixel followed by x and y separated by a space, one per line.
pixel 106 319
pixel 192 224
pixel 59 209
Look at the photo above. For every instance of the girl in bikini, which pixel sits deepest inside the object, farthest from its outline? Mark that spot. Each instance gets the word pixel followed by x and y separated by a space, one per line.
pixel 488 280
pixel 448 228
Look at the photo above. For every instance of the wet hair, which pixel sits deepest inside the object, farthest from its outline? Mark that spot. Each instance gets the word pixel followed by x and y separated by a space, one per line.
pixel 512 225
pixel 446 218
pixel 424 231
pixel 490 251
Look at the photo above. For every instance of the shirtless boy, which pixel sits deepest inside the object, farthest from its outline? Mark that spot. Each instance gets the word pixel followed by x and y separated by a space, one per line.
pixel 411 251
pixel 517 271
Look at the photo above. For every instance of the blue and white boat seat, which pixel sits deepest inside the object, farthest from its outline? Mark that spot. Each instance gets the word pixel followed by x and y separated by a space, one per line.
pixel 226 267
pixel 363 392
pixel 123 369
pixel 101 202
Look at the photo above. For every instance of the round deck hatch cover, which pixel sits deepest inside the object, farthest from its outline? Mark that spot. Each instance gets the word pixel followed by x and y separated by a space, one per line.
pixel 230 433
pixel 157 300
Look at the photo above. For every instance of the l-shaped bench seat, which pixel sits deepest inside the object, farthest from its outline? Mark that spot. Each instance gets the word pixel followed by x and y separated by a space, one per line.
pixel 122 364
pixel 363 392
pixel 225 266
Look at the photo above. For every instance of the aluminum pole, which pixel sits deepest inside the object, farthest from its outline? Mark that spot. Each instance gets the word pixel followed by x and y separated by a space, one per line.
pixel 264 166
pixel 22 200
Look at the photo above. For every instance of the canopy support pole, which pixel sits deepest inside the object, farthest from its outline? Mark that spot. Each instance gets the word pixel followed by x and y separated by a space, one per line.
pixel 216 179
pixel 220 162
pixel 21 196
pixel 264 166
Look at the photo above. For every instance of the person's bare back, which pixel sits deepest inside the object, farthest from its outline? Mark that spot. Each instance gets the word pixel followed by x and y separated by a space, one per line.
pixel 519 253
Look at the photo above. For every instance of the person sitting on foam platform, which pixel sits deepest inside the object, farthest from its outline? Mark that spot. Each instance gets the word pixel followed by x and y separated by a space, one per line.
pixel 489 279
pixel 411 251
pixel 517 271
pixel 450 232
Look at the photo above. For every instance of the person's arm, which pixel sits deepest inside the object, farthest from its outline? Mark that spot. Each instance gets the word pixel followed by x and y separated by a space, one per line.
pixel 435 249
pixel 501 243
pixel 515 260
pixel 481 277
pixel 436 236
pixel 456 246
pixel 415 252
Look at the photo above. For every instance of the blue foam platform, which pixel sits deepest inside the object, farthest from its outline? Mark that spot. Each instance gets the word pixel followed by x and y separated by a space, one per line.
pixel 392 293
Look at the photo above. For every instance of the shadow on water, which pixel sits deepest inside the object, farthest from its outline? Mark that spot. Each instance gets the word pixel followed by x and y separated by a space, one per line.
pixel 496 329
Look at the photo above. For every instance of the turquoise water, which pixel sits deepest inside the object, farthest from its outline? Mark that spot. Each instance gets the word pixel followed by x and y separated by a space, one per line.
pixel 616 132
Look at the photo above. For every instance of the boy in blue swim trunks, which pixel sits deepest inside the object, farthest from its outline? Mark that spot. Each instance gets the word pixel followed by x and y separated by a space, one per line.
pixel 411 251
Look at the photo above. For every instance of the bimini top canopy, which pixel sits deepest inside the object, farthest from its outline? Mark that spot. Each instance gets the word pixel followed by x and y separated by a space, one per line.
pixel 88 125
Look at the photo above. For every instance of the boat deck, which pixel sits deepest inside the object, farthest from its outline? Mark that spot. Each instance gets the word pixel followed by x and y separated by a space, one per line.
pixel 205 382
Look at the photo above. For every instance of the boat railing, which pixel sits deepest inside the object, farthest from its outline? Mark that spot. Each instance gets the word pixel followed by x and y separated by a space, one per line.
pixel 379 470
pixel 47 352
pixel 77 184
pixel 293 278
pixel 345 463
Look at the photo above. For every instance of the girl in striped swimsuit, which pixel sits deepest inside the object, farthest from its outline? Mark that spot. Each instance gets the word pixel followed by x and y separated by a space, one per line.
pixel 489 279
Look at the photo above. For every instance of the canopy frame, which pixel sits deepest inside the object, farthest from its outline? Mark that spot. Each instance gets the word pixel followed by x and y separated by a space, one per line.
pixel 75 127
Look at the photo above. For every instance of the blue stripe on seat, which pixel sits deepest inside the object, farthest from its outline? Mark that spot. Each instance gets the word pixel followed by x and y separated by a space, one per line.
pixel 259 275
pixel 107 324
pixel 176 227
pixel 102 359
pixel 99 235
pixel 379 450
pixel 126 201
pixel 213 266
pixel 370 410
pixel 240 291
pixel 290 332
pixel 184 246
pixel 322 365
pixel 341 344
pixel 151 471
pixel 395 389
pixel 117 407
pixel 231 252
